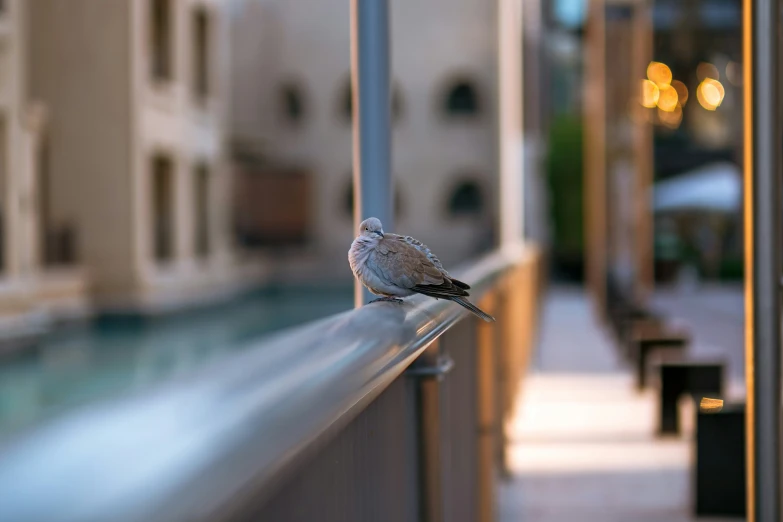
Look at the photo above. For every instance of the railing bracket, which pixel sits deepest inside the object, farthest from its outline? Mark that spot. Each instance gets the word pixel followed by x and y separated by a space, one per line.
pixel 443 366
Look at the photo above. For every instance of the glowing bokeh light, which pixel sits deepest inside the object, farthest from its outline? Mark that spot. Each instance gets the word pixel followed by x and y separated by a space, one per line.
pixel 667 100
pixel 707 70
pixel 650 94
pixel 734 73
pixel 708 95
pixel 718 86
pixel 659 73
pixel 682 92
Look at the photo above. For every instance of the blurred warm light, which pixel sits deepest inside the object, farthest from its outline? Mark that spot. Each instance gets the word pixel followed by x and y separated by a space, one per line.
pixel 718 86
pixel 667 101
pixel 710 94
pixel 659 73
pixel 682 92
pixel 734 73
pixel 650 94
pixel 671 119
pixel 710 405
pixel 707 70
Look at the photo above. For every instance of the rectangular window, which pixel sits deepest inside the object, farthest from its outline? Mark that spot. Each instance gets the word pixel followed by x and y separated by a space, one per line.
pixel 201 209
pixel 162 40
pixel 163 207
pixel 201 50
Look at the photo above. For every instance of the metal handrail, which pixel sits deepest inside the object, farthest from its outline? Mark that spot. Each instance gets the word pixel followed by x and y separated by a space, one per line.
pixel 192 448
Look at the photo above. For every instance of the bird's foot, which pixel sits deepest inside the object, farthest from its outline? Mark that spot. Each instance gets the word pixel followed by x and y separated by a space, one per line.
pixel 387 299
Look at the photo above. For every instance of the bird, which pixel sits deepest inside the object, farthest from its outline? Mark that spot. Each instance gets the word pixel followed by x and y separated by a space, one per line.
pixel 394 266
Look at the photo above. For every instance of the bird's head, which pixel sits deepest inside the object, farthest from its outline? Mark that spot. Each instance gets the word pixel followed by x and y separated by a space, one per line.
pixel 371 228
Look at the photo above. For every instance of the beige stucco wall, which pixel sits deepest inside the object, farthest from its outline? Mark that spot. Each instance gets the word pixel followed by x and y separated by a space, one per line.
pixel 107 118
pixel 79 67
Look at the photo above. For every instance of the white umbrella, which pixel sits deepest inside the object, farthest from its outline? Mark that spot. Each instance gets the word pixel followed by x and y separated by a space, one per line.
pixel 714 187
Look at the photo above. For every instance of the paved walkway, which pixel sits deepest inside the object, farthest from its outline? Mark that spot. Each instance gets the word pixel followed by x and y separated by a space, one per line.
pixel 582 445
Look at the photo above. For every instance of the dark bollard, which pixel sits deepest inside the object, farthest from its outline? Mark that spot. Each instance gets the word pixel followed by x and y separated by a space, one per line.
pixel 695 378
pixel 645 346
pixel 720 462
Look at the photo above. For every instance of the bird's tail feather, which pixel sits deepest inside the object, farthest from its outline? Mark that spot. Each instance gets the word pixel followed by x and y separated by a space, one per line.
pixel 473 308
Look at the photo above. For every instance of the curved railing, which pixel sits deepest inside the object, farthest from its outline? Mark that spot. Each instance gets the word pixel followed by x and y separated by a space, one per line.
pixel 198 447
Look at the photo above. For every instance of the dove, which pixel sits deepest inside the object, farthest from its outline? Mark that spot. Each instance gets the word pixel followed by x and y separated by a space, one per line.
pixel 395 266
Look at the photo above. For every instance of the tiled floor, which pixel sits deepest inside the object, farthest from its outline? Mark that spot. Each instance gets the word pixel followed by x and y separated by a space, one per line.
pixel 582 445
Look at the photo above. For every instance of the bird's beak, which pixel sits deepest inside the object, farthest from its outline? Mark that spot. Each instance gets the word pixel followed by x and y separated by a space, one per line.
pixel 379 234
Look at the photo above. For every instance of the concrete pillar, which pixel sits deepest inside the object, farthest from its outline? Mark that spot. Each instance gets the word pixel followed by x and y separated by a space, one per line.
pixel 510 109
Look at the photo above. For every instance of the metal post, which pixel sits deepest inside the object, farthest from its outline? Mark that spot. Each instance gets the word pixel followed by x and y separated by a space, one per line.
pixel 763 139
pixel 487 418
pixel 431 506
pixel 371 117
pixel 510 119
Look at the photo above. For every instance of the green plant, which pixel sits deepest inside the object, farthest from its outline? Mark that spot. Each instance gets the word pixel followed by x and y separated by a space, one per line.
pixel 564 169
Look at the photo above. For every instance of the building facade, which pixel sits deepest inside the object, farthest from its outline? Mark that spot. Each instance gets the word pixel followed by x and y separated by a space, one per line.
pixel 32 291
pixel 136 170
pixel 292 99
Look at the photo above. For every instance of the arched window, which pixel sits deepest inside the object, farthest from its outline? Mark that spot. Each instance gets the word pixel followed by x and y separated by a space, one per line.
pixel 461 98
pixel 292 103
pixel 346 102
pixel 348 200
pixel 466 199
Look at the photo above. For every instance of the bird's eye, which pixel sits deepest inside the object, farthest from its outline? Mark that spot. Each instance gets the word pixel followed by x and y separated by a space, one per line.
pixel 366 228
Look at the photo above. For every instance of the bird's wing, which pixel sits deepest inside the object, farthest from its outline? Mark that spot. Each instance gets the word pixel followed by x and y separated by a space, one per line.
pixel 421 247
pixel 403 265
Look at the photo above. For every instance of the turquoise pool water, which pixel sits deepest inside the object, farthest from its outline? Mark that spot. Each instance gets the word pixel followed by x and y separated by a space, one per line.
pixel 111 357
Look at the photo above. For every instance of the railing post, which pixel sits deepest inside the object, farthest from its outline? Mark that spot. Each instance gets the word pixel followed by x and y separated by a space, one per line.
pixel 486 421
pixel 429 417
pixel 372 183
pixel 763 140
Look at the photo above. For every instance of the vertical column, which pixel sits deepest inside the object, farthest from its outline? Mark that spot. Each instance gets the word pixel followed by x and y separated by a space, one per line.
pixel 595 154
pixel 371 117
pixel 510 122
pixel 643 155
pixel 487 418
pixel 34 127
pixel 430 438
pixel 762 257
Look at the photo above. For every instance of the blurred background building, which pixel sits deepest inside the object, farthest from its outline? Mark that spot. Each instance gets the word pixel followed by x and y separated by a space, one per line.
pixel 292 115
